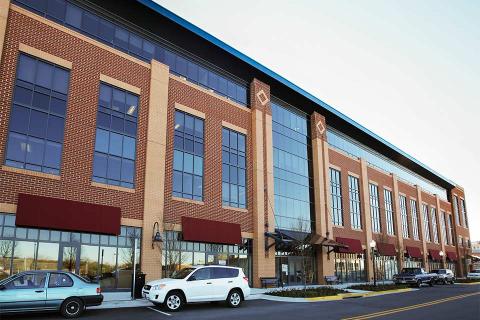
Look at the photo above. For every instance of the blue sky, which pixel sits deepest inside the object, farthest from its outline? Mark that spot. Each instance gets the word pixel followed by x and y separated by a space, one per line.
pixel 407 70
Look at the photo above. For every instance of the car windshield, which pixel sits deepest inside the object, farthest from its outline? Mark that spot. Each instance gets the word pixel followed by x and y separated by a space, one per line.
pixel 410 270
pixel 182 274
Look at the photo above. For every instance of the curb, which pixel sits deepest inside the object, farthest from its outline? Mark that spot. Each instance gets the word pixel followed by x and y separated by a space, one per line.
pixel 467 284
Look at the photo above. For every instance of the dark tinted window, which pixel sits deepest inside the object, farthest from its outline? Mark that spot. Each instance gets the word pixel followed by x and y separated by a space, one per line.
pixel 219 273
pixel 202 274
pixel 59 280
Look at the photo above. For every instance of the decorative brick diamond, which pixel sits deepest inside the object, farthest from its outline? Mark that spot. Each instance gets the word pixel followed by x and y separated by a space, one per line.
pixel 262 97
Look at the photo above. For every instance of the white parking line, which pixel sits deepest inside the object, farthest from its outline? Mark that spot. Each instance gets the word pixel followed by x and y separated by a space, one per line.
pixel 156 310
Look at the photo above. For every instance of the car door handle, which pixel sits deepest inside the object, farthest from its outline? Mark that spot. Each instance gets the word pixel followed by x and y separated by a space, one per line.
pixel 208 283
pixel 39 291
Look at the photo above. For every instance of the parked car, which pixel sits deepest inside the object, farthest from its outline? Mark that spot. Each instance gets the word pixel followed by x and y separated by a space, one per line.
pixel 444 276
pixel 415 276
pixel 199 284
pixel 48 291
pixel 474 274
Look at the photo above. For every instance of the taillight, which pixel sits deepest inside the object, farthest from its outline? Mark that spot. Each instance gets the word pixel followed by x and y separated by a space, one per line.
pixel 99 290
pixel 246 279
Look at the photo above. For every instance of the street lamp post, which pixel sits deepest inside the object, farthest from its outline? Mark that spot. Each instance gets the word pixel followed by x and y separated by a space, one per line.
pixel 442 263
pixel 373 244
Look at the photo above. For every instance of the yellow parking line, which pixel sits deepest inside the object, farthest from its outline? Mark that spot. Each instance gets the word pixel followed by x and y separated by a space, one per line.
pixel 415 306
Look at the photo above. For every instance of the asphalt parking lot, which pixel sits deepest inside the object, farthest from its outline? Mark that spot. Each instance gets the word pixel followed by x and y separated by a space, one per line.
pixel 440 302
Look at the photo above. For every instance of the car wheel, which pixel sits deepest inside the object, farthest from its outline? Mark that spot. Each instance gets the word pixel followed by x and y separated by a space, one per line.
pixel 419 283
pixel 234 299
pixel 72 308
pixel 431 283
pixel 174 301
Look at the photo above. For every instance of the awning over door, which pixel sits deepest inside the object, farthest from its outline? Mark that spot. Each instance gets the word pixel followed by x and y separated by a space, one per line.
pixel 452 256
pixel 414 252
pixel 52 213
pixel 386 249
pixel 434 254
pixel 202 230
pixel 353 245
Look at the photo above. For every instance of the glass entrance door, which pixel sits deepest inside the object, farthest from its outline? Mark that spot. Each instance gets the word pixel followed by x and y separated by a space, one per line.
pixel 68 259
pixel 295 271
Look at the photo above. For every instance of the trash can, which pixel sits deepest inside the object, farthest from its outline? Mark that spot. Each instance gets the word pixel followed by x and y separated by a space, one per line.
pixel 139 283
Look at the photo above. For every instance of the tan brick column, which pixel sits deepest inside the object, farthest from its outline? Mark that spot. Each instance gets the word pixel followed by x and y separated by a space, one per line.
pixel 321 183
pixel 398 222
pixel 422 226
pixel 367 216
pixel 151 263
pixel 439 228
pixel 263 262
pixel 4 8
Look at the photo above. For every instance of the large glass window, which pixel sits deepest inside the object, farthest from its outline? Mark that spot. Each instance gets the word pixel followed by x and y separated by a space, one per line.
pixel 116 36
pixel 413 212
pixel 450 229
pixel 464 213
pixel 426 223
pixel 389 211
pixel 291 168
pixel 37 119
pixel 433 216
pixel 336 191
pixel 115 143
pixel 375 208
pixel 455 210
pixel 354 192
pixel 443 227
pixel 350 267
pixel 188 156
pixel 404 216
pixel 233 168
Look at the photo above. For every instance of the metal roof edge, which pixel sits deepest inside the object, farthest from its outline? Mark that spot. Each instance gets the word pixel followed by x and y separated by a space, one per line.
pixel 207 36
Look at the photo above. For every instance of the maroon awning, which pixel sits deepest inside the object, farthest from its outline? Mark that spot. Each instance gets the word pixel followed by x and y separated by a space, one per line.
pixel 386 249
pixel 52 213
pixel 203 230
pixel 434 254
pixel 452 256
pixel 414 252
pixel 354 245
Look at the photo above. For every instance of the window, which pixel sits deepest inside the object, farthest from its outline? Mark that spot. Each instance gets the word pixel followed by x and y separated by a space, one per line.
pixel 219 273
pixel 201 274
pixel 433 214
pixel 375 208
pixel 389 211
pixel 450 229
pixel 404 217
pixel 188 157
pixel 464 213
pixel 28 281
pixel 336 190
pixel 354 192
pixel 443 227
pixel 37 119
pixel 59 280
pixel 233 169
pixel 413 211
pixel 115 143
pixel 426 223
pixel 455 210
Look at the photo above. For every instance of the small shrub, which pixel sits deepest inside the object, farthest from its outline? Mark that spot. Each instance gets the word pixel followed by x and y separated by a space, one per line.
pixel 378 287
pixel 308 293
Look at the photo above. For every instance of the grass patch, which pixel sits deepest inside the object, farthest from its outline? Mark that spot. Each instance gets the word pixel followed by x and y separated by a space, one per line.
pixel 378 287
pixel 467 280
pixel 308 293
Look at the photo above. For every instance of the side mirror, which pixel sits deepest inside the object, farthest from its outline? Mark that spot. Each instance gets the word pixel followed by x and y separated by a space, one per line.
pixel 192 278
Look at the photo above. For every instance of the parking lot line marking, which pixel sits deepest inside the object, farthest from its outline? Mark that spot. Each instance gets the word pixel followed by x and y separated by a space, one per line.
pixel 156 310
pixel 415 306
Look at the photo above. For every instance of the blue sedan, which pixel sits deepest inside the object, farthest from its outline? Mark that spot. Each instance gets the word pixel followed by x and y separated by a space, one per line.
pixel 48 291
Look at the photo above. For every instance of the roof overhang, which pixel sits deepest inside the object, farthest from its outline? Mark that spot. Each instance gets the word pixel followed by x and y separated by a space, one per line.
pixel 153 18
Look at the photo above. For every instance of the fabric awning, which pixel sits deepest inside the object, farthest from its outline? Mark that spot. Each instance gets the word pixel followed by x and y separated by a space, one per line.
pixel 354 245
pixel 386 249
pixel 318 240
pixel 414 252
pixel 434 254
pixel 452 256
pixel 202 230
pixel 60 214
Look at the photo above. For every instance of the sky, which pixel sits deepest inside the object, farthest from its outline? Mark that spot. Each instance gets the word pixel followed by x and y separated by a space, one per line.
pixel 407 70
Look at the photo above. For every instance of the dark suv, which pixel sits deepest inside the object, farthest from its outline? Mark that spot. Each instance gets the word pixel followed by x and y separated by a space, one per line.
pixel 444 276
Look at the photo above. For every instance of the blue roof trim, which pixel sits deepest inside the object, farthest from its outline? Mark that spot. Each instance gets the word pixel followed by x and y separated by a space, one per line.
pixel 207 36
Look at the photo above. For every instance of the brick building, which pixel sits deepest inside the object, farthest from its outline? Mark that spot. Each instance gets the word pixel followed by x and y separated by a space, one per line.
pixel 121 121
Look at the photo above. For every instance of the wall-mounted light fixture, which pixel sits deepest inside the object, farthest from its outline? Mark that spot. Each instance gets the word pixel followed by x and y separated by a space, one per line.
pixel 156 236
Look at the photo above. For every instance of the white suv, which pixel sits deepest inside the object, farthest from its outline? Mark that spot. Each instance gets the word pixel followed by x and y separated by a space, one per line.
pixel 199 284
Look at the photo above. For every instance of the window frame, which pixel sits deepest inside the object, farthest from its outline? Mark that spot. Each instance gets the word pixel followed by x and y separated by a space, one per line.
pixel 355 202
pixel 336 196
pixel 404 216
pixel 388 200
pixel 375 208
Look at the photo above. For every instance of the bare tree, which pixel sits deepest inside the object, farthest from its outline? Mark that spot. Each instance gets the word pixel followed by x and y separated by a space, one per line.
pixel 303 248
pixel 171 251
pixel 6 250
